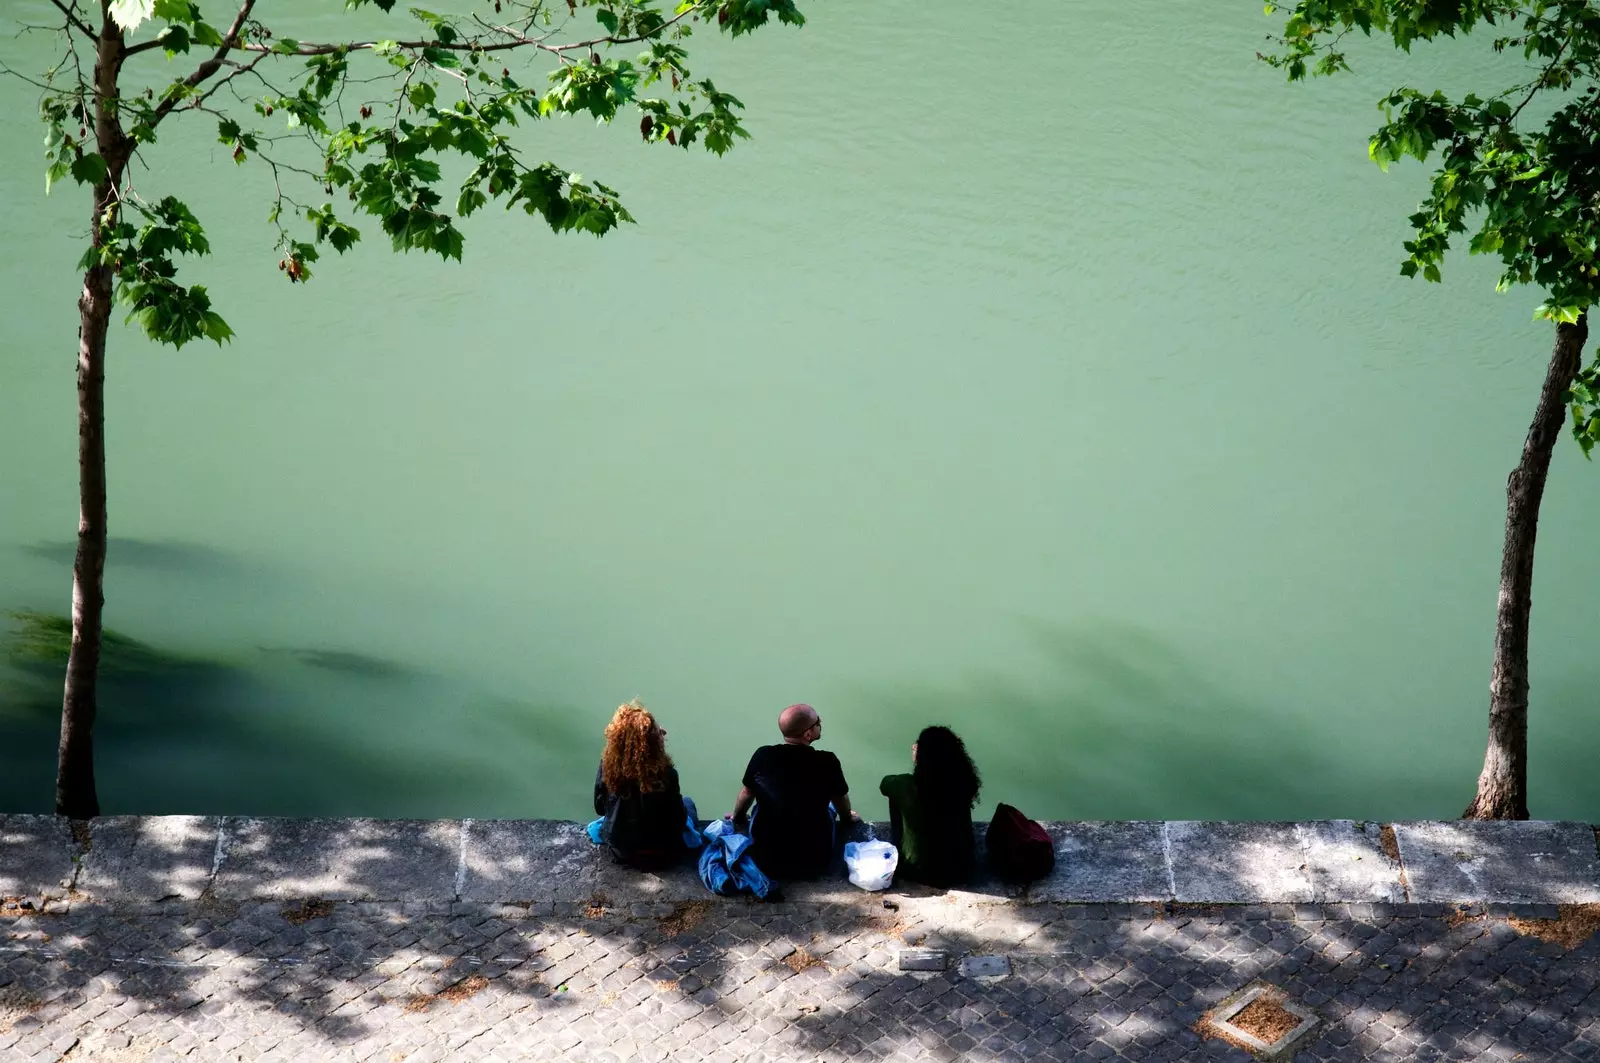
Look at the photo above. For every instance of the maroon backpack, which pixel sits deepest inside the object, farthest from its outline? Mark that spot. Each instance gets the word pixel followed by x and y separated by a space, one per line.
pixel 1019 849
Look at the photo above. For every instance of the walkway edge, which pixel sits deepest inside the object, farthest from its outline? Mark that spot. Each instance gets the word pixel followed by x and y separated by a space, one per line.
pixel 542 862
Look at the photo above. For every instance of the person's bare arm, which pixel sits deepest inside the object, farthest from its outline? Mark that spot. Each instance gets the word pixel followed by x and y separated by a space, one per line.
pixel 741 805
pixel 841 805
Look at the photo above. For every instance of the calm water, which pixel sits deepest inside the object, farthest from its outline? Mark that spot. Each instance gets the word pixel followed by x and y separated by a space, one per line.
pixel 1048 375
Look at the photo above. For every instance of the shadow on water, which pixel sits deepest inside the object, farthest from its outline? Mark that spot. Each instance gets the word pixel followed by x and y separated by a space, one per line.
pixel 299 732
pixel 345 662
pixel 1118 723
pixel 161 555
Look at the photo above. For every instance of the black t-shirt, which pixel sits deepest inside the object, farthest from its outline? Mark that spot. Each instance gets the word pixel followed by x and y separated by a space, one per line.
pixel 793 831
pixel 642 829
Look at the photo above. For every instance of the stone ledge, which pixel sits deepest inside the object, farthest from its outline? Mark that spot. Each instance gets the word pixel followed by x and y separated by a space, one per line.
pixel 149 859
pixel 1500 861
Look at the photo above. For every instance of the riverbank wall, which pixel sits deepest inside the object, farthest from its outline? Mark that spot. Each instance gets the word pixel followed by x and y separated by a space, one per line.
pixel 550 865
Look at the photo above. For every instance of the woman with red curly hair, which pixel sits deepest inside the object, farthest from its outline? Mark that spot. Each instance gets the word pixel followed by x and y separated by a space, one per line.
pixel 636 792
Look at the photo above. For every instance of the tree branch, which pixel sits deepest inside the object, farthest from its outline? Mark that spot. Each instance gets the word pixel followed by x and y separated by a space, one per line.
pixel 517 40
pixel 1539 82
pixel 73 19
pixel 230 41
pixel 239 68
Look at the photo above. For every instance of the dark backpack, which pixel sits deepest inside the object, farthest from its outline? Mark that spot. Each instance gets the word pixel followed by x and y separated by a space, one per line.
pixel 1019 849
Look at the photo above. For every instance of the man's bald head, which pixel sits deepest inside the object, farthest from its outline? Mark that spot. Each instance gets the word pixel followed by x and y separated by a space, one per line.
pixel 796 720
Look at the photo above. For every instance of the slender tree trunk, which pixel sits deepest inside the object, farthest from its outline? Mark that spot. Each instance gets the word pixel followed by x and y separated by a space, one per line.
pixel 1503 785
pixel 76 795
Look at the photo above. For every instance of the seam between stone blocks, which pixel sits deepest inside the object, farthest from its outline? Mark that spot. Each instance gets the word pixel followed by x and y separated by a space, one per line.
pixel 218 855
pixel 1302 837
pixel 1400 858
pixel 461 859
pixel 1166 856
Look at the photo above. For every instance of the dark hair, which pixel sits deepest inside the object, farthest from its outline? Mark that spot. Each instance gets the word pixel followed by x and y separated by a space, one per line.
pixel 944 774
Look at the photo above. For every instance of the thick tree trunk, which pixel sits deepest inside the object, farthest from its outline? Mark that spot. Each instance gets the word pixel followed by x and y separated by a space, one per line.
pixel 1503 785
pixel 76 795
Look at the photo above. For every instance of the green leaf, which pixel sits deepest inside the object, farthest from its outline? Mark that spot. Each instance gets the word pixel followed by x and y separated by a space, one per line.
pixel 449 243
pixel 175 10
pixel 469 201
pixel 174 39
pixel 89 169
pixel 215 328
pixel 57 170
pixel 130 14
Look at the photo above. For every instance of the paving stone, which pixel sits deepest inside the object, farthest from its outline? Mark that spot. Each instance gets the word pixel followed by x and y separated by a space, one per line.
pixel 985 967
pixel 575 977
pixel 1110 861
pixel 36 856
pixel 923 960
pixel 1346 862
pixel 530 860
pixel 1500 861
pixel 149 857
pixel 339 859
pixel 1238 862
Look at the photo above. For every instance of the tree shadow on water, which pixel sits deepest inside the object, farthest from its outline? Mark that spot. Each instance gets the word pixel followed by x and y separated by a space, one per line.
pixel 159 555
pixel 1117 723
pixel 296 731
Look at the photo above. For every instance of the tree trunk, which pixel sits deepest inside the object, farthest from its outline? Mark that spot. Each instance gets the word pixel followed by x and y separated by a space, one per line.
pixel 76 795
pixel 1503 784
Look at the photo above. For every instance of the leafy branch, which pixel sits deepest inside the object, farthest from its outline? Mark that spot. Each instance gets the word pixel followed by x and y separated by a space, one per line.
pixel 445 101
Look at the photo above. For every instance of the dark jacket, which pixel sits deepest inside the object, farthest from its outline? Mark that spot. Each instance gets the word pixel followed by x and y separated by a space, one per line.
pixel 935 839
pixel 642 830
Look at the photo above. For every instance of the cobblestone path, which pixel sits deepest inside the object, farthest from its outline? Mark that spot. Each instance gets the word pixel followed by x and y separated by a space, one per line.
pixel 728 981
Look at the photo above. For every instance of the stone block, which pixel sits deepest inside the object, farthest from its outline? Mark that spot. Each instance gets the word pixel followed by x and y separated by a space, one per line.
pixel 1500 861
pixel 1237 862
pixel 623 886
pixel 37 855
pixel 923 960
pixel 339 859
pixel 1108 861
pixel 531 860
pixel 149 858
pixel 1346 862
pixel 985 967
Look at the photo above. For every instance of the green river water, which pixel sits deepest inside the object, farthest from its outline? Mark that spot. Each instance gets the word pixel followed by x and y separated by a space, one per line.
pixel 1040 369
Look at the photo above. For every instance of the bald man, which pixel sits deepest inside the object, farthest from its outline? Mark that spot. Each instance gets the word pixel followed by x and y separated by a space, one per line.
pixel 791 785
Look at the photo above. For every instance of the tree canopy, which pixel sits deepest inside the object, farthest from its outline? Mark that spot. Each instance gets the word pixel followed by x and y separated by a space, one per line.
pixel 1517 169
pixel 369 122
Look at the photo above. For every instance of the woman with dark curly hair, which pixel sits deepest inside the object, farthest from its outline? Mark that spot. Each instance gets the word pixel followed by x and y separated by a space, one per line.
pixel 636 792
pixel 931 809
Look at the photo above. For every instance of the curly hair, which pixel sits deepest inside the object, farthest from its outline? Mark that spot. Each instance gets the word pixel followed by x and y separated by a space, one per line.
pixel 635 758
pixel 944 773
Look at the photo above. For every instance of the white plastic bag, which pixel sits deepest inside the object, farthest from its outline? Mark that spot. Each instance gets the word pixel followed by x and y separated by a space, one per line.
pixel 871 864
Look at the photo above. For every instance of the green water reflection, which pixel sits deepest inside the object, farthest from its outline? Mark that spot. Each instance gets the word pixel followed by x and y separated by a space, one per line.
pixel 1067 394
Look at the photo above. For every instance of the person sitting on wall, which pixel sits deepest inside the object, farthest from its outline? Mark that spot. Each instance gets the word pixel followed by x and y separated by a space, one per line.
pixel 930 810
pixel 645 821
pixel 799 795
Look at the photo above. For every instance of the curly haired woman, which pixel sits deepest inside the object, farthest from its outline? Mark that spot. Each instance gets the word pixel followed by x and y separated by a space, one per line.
pixel 931 809
pixel 636 792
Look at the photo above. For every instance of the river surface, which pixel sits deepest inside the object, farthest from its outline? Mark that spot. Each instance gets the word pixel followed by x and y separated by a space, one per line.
pixel 1042 370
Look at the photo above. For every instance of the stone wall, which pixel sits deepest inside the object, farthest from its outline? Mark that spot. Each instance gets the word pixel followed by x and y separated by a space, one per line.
pixel 142 859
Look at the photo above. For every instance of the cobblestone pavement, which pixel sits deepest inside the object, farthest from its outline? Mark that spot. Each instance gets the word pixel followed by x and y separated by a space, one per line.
pixel 729 981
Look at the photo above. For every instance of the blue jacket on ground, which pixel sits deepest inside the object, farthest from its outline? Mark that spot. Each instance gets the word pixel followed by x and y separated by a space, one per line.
pixel 726 866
